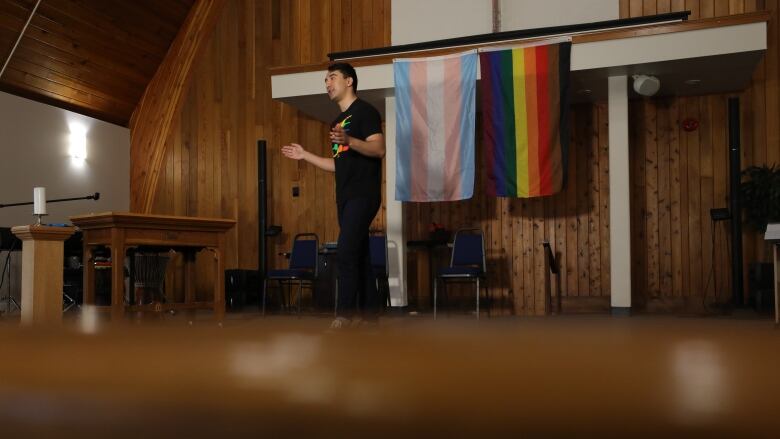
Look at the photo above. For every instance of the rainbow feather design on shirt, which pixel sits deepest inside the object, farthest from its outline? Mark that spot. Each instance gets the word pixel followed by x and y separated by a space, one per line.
pixel 336 148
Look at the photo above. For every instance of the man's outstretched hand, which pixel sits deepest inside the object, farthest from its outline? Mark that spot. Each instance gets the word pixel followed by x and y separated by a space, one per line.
pixel 293 151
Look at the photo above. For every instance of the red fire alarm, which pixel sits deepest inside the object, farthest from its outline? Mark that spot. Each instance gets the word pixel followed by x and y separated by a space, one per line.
pixel 690 124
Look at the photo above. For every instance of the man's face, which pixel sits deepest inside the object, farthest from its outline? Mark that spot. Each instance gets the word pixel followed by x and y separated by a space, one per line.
pixel 336 85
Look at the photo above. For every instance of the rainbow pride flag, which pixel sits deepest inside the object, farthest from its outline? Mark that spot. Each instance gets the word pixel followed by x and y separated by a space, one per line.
pixel 524 94
pixel 435 108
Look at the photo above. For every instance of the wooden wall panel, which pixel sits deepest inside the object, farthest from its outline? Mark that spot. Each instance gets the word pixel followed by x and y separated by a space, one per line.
pixel 574 221
pixel 210 155
pixel 150 125
pixel 677 177
pixel 210 166
pixel 686 174
pixel 308 31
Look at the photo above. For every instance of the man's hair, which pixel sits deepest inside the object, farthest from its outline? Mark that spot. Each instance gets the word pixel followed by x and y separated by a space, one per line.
pixel 347 70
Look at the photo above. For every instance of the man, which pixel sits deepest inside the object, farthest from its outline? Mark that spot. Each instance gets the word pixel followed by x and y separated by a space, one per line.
pixel 358 147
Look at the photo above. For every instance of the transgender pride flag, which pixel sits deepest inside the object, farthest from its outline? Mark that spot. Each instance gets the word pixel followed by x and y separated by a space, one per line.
pixel 435 111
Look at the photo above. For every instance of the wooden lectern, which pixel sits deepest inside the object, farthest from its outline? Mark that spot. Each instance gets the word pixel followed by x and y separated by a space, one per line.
pixel 42 262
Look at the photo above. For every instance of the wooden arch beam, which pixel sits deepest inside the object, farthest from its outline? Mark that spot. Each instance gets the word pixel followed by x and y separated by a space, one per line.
pixel 151 121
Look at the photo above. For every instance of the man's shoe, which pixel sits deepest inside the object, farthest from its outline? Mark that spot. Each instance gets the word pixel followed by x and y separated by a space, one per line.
pixel 340 323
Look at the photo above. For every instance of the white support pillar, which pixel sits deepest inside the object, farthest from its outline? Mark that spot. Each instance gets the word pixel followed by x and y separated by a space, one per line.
pixel 619 196
pixel 395 218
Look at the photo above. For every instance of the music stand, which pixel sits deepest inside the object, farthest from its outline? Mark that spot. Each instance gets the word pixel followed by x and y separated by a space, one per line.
pixel 9 243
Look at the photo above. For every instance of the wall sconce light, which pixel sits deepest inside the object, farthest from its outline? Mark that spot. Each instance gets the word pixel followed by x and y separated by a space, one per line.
pixel 78 142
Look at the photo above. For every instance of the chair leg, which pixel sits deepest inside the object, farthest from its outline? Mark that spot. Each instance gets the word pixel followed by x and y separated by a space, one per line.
pixel 313 289
pixel 336 300
pixel 477 298
pixel 489 301
pixel 446 296
pixel 386 287
pixel 265 282
pixel 300 287
pixel 383 290
pixel 434 297
pixel 380 294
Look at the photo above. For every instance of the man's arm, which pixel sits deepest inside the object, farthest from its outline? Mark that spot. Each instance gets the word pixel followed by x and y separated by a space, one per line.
pixel 373 146
pixel 296 152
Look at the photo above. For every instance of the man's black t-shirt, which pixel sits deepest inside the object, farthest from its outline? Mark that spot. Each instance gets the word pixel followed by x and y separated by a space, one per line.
pixel 357 175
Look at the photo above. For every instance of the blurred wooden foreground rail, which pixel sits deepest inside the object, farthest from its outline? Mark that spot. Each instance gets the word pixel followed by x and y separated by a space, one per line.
pixel 279 377
pixel 121 231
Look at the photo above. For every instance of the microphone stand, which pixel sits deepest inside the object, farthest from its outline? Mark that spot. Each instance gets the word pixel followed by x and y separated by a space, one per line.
pixel 7 264
pixel 95 196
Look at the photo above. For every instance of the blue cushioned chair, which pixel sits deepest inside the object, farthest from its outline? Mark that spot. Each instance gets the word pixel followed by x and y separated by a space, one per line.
pixel 377 243
pixel 302 269
pixel 467 263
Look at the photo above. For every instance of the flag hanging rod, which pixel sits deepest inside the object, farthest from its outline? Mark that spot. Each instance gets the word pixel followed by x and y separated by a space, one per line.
pixel 513 35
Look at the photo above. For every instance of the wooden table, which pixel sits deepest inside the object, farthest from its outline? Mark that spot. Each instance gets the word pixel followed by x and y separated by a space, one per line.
pixel 121 231
pixel 430 246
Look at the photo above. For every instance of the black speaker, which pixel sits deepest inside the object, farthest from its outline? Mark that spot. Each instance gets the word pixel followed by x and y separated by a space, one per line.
pixel 760 277
pixel 238 285
pixel 262 203
pixel 735 203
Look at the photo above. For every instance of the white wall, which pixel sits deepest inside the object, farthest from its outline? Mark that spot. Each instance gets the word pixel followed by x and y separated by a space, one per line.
pixel 414 21
pixel 34 143
pixel 529 14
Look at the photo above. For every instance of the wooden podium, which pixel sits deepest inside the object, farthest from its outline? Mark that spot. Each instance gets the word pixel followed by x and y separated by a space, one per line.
pixel 772 236
pixel 122 231
pixel 42 263
pixel 777 281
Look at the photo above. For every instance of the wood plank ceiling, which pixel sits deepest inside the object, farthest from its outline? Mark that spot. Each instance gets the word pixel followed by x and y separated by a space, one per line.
pixel 94 57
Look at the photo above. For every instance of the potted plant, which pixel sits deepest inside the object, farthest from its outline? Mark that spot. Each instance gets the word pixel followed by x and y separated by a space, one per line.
pixel 760 190
pixel 438 233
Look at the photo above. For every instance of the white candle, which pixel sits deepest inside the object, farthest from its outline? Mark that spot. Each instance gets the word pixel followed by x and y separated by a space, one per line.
pixel 39 201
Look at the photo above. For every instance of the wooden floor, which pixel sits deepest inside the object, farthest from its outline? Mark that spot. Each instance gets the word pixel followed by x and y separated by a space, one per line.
pixel 185 376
